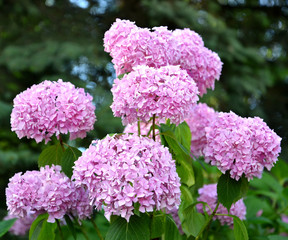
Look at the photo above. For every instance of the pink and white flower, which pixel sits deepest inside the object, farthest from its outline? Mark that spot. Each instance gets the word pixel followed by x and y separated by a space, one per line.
pixel 123 170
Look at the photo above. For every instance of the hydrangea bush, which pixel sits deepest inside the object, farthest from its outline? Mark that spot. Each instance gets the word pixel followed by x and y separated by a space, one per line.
pixel 180 170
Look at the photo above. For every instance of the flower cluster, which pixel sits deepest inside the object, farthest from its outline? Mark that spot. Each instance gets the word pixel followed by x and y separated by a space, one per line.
pixel 21 225
pixel 130 46
pixel 208 194
pixel 200 117
pixel 47 190
pixel 123 170
pixel 241 145
pixel 166 92
pixel 52 108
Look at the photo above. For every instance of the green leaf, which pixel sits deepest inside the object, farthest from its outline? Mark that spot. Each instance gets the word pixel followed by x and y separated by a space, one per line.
pixel 198 175
pixel 41 229
pixel 171 230
pixel 136 208
pixel 70 155
pixel 138 228
pixel 285 192
pixel 254 204
pixel 186 173
pixel 71 226
pixel 157 225
pixel 260 220
pixel 179 153
pixel 121 76
pixel 183 135
pixel 174 144
pixel 51 155
pixel 192 221
pixel 47 231
pixel 186 195
pixel 280 169
pixel 229 190
pixel 36 226
pixel 277 237
pixel 240 231
pixel 6 225
pixel 267 182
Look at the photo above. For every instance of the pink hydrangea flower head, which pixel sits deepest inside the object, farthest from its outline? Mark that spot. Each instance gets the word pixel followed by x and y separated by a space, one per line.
pixel 21 225
pixel 21 193
pixel 133 51
pixel 47 190
pixel 123 170
pixel 81 207
pixel 130 46
pixel 266 144
pixel 202 64
pixel 166 92
pixel 52 108
pixel 208 194
pixel 200 117
pixel 162 52
pixel 186 36
pixel 117 34
pixel 142 47
pixel 241 145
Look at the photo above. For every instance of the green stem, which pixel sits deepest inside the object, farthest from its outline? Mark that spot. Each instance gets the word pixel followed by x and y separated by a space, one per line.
pixel 84 233
pixel 61 142
pixel 81 228
pixel 207 225
pixel 97 229
pixel 153 128
pixel 139 129
pixel 59 228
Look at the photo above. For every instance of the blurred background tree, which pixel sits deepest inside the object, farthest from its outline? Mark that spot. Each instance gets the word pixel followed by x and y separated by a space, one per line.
pixel 64 39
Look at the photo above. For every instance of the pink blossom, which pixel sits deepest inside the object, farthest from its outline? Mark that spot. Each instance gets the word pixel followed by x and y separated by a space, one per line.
pixel 265 142
pixel 118 32
pixel 52 108
pixel 203 65
pixel 208 194
pixel 259 213
pixel 201 116
pixel 241 145
pixel 80 204
pixel 166 92
pixel 47 190
pixel 21 225
pixel 130 46
pixel 284 218
pixel 123 170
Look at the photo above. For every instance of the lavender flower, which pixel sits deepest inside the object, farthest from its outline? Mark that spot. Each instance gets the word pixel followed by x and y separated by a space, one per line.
pixel 201 116
pixel 47 190
pixel 52 108
pixel 21 225
pixel 123 170
pixel 208 194
pixel 130 46
pixel 167 92
pixel 241 145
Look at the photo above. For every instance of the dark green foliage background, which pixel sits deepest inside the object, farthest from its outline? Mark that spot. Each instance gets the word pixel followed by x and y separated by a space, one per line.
pixel 57 39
